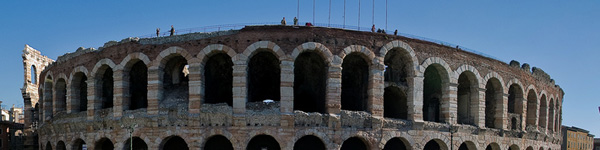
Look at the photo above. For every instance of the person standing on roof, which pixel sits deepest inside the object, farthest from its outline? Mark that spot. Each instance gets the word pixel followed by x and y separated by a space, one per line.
pixel 283 21
pixel 373 28
pixel 157 32
pixel 295 21
pixel 172 30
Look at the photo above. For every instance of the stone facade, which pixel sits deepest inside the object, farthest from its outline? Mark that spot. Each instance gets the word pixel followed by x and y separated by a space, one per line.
pixel 368 90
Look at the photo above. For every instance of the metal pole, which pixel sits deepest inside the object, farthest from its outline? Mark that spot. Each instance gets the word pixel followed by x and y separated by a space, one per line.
pixel 373 13
pixel 131 139
pixel 358 15
pixel 386 14
pixel 344 13
pixel 329 19
pixel 298 10
pixel 313 11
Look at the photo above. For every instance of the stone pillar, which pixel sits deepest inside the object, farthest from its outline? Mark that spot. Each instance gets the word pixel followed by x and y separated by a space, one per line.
pixel 450 103
pixel 375 90
pixel 239 92
pixel 155 90
pixel 480 117
pixel 523 113
pixel 69 98
pixel 501 116
pixel 92 99
pixel 334 86
pixel 287 93
pixel 195 88
pixel 121 86
pixel 414 98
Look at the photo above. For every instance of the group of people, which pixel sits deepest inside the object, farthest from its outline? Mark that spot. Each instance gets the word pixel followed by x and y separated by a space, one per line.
pixel 158 31
pixel 382 30
pixel 283 22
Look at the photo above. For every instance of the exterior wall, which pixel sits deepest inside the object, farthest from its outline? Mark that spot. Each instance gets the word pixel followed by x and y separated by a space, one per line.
pixel 199 121
pixel 31 57
pixel 577 139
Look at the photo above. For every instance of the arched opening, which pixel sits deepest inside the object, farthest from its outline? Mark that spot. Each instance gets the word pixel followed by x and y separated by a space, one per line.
pixel 531 108
pixel 354 143
pixel 493 102
pixel 104 144
pixel 435 145
pixel 138 85
pixel 493 146
pixel 78 144
pixel 48 96
pixel 543 112
pixel 432 95
pixel 310 77
pixel 174 142
pixel 218 142
pixel 33 76
pixel 263 77
pixel 48 146
pixel 515 104
pixel 514 123
pixel 60 91
pixel 309 142
pixel 467 96
pixel 513 147
pixel 174 79
pixel 541 148
pixel 394 103
pixel 218 79
pixel 467 145
pixel 397 67
pixel 551 115
pixel 529 148
pixel 79 92
pixel 261 142
pixel 138 144
pixel 60 145
pixel 396 144
pixel 355 80
pixel 104 84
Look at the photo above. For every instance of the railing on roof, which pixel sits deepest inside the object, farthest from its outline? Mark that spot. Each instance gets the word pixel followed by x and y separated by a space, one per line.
pixel 225 27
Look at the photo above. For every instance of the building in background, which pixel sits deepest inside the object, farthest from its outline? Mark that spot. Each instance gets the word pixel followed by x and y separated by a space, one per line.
pixel 577 139
pixel 597 144
pixel 11 128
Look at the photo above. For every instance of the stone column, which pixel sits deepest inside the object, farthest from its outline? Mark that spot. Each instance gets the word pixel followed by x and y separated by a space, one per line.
pixel 414 98
pixel 287 93
pixel 69 98
pixel 195 88
pixel 501 118
pixel 375 90
pixel 523 112
pixel 480 117
pixel 92 99
pixel 450 103
pixel 121 86
pixel 155 90
pixel 239 92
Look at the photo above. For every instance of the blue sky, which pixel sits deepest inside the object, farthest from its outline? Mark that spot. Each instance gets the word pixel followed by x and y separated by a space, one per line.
pixel 561 37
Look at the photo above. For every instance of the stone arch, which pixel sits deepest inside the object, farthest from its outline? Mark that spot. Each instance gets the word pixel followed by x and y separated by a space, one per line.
pixel 355 80
pixel 103 81
pixel 532 108
pixel 515 96
pixel 493 146
pixel 135 86
pixel 256 47
pixel 215 71
pixel 173 142
pixel 77 144
pixel 407 51
pixel 61 145
pixel 467 95
pixel 436 82
pixel 513 147
pixel 529 148
pixel 309 142
pixel 60 93
pixel 494 96
pixel 138 144
pixel 77 90
pixel 263 59
pixel 217 142
pixel 397 143
pixel 311 62
pixel 48 146
pixel 312 132
pixel 551 109
pixel 404 136
pixel 171 67
pixel 435 144
pixel 355 142
pixel 263 140
pixel 543 110
pixel 104 143
pixel 467 145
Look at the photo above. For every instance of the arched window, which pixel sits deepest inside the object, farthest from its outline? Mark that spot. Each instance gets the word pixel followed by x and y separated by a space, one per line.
pixel 104 143
pixel 493 102
pixel 354 143
pixel 543 112
pixel 263 77
pixel 310 77
pixel 79 92
pixel 551 115
pixel 467 98
pixel 355 80
pixel 432 94
pixel 435 144
pixel 78 144
pixel 138 144
pixel 48 96
pixel 396 144
pixel 138 85
pixel 61 145
pixel 174 142
pixel 33 76
pixel 218 79
pixel 60 91
pixel 174 82
pixel 531 108
pixel 261 142
pixel 104 84
pixel 309 142
pixel 218 142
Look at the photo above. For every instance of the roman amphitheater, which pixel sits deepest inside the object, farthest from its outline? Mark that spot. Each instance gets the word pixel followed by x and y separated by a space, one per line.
pixel 284 87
